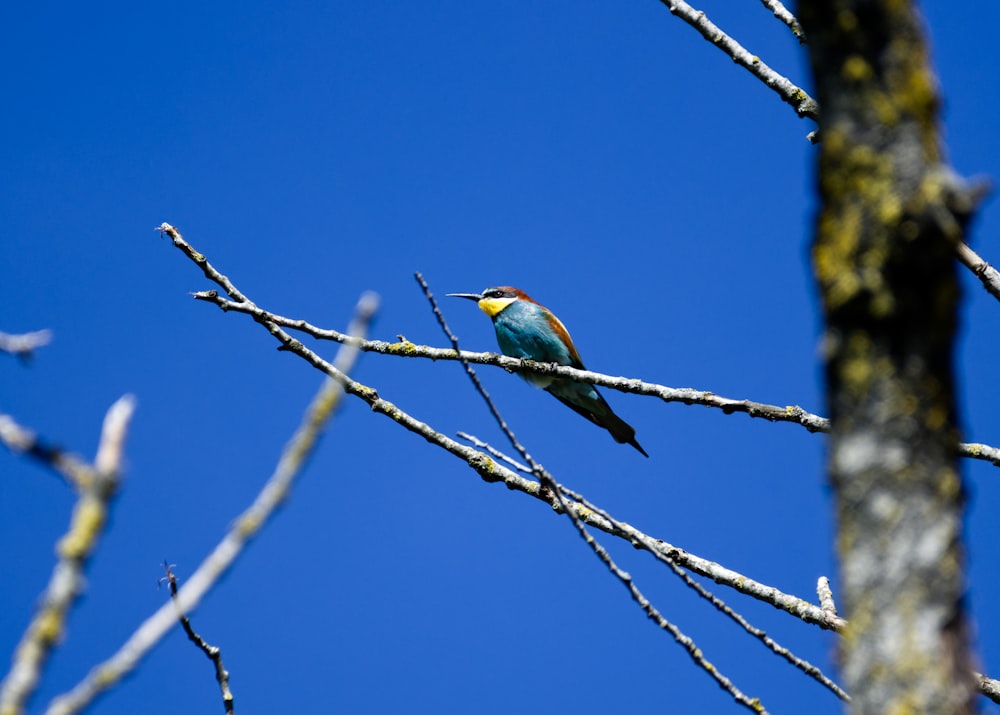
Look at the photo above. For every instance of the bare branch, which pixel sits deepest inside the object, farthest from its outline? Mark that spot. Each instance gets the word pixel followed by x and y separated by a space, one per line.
pixel 654 615
pixel 491 471
pixel 74 549
pixel 495 452
pixel 988 686
pixel 686 395
pixel 825 594
pixel 783 14
pixel 213 653
pixel 19 439
pixel 550 485
pixel 243 530
pixel 798 98
pixel 987 274
pixel 806 106
pixel 536 468
pixel 800 663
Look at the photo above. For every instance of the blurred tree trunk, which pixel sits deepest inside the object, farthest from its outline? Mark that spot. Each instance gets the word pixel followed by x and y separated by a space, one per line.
pixel 891 214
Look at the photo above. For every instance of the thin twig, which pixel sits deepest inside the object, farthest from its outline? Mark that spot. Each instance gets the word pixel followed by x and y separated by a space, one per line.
pixel 243 530
pixel 213 653
pixel 653 614
pixel 536 468
pixel 74 549
pixel 783 14
pixel 685 395
pixel 800 663
pixel 495 452
pixel 798 98
pixel 718 603
pixel 559 500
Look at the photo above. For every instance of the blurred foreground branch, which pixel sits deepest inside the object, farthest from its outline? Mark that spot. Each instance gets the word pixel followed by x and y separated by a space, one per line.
pixel 66 584
pixel 24 344
pixel 21 440
pixel 242 531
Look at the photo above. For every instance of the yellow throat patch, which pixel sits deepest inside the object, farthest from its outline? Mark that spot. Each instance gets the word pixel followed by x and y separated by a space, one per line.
pixel 492 306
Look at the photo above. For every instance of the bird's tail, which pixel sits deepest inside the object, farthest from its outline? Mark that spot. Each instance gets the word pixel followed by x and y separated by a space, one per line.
pixel 622 431
pixel 600 413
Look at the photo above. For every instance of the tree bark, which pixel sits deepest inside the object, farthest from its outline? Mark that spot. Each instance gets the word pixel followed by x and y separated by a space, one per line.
pixel 890 217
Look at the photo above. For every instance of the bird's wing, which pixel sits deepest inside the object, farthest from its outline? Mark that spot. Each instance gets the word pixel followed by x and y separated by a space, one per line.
pixel 561 331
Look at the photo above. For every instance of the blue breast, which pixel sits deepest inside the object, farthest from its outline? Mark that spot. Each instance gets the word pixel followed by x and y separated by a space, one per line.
pixel 523 331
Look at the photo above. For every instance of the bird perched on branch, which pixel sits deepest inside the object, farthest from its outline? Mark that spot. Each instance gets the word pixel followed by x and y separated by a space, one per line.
pixel 526 329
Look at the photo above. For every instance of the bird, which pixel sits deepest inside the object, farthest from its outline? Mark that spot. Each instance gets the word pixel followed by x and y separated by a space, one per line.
pixel 527 329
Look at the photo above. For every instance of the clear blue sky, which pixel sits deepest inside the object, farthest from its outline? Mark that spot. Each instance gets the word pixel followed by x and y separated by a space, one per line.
pixel 600 155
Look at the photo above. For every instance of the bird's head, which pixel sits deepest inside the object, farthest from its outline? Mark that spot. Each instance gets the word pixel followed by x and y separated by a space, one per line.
pixel 492 300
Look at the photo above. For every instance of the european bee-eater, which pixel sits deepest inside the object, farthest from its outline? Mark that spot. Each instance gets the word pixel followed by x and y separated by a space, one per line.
pixel 526 329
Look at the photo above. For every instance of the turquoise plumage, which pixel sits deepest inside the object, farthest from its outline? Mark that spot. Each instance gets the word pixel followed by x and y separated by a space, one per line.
pixel 527 329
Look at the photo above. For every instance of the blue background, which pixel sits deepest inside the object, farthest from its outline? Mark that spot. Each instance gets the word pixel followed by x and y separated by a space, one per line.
pixel 600 155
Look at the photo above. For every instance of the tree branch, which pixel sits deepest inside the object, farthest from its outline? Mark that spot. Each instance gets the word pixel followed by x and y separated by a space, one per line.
pixel 74 549
pixel 686 395
pixel 491 471
pixel 21 440
pixel 213 653
pixel 224 555
pixel 559 502
pixel 987 274
pixel 798 98
pixel 803 665
pixel 782 13
pixel 25 344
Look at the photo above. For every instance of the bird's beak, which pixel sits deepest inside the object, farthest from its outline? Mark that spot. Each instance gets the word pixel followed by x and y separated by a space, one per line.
pixel 471 296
